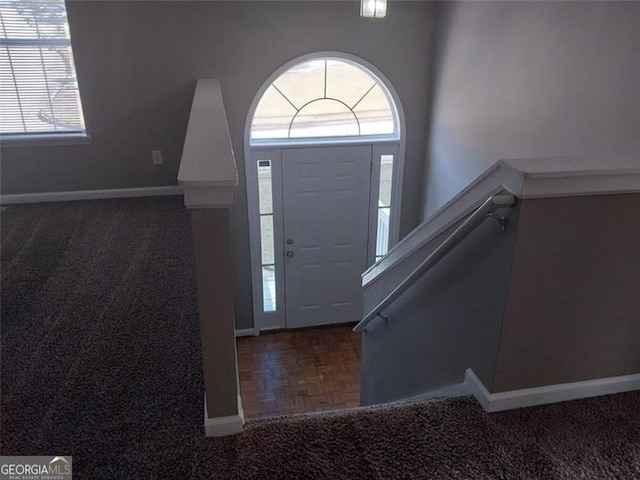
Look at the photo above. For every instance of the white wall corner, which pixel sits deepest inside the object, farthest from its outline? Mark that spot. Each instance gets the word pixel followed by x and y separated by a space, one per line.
pixel 512 180
pixel 477 389
pixel 529 397
pixel 223 426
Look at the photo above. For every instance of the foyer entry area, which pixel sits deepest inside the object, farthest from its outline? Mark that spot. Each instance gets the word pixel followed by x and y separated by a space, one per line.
pixel 323 165
pixel 299 371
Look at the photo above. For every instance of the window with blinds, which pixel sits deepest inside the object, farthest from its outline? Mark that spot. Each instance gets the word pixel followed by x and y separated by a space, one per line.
pixel 38 84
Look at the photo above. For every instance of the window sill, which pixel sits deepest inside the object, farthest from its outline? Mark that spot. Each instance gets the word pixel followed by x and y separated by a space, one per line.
pixel 45 140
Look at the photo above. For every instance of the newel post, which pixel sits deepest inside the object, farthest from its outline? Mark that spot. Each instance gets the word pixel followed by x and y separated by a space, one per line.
pixel 208 176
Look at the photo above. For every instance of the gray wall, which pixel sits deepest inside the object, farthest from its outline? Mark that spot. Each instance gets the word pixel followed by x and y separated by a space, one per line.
pixel 137 64
pixel 450 320
pixel 573 308
pixel 530 79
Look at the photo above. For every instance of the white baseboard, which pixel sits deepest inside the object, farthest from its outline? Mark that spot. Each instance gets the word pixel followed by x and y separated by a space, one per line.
pixel 528 397
pixel 90 194
pixel 223 426
pixel 247 332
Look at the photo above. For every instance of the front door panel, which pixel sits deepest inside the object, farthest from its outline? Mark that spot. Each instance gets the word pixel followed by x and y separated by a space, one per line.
pixel 326 206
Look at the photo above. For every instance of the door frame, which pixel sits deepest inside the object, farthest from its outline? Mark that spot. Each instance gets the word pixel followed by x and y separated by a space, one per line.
pixel 262 320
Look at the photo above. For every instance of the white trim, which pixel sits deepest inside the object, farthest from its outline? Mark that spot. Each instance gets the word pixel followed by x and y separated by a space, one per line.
pixel 491 182
pixel 374 191
pixel 381 79
pixel 90 194
pixel 525 178
pixel 576 166
pixel 326 141
pixel 208 197
pixel 581 186
pixel 208 167
pixel 265 320
pixel 247 332
pixel 528 397
pixel 477 389
pixel 396 186
pixel 223 426
pixel 253 217
pixel 44 140
pixel 207 157
pixel 574 176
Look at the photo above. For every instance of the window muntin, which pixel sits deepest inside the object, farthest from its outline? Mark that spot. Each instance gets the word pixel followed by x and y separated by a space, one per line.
pixel 302 83
pixel 372 113
pixel 38 84
pixel 273 116
pixel 324 98
pixel 352 91
pixel 324 118
pixel 267 245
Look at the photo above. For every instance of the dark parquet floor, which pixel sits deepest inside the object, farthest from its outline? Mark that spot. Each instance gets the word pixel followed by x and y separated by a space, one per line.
pixel 299 371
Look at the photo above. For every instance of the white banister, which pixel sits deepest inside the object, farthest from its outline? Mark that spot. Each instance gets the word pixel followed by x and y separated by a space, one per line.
pixel 208 176
pixel 208 172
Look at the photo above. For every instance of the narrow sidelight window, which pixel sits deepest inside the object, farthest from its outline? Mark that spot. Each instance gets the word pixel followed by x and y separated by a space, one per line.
pixel 265 199
pixel 383 230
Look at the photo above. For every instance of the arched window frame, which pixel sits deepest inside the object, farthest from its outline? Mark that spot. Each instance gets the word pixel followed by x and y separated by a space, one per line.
pixel 370 70
pixel 270 149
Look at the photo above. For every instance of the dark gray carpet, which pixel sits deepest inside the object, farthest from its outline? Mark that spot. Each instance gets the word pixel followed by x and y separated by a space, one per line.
pixel 101 360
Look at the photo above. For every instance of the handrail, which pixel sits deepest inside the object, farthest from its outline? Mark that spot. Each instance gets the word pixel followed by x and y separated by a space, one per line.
pixel 476 218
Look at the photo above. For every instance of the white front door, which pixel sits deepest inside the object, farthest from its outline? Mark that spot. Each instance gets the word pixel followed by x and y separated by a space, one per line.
pixel 326 218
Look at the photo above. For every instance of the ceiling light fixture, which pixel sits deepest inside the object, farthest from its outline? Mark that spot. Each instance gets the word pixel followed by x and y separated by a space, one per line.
pixel 373 8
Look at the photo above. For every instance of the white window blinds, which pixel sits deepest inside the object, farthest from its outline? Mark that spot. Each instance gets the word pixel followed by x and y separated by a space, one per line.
pixel 38 85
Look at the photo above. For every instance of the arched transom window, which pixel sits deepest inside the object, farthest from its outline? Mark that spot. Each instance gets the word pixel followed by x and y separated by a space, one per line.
pixel 324 98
